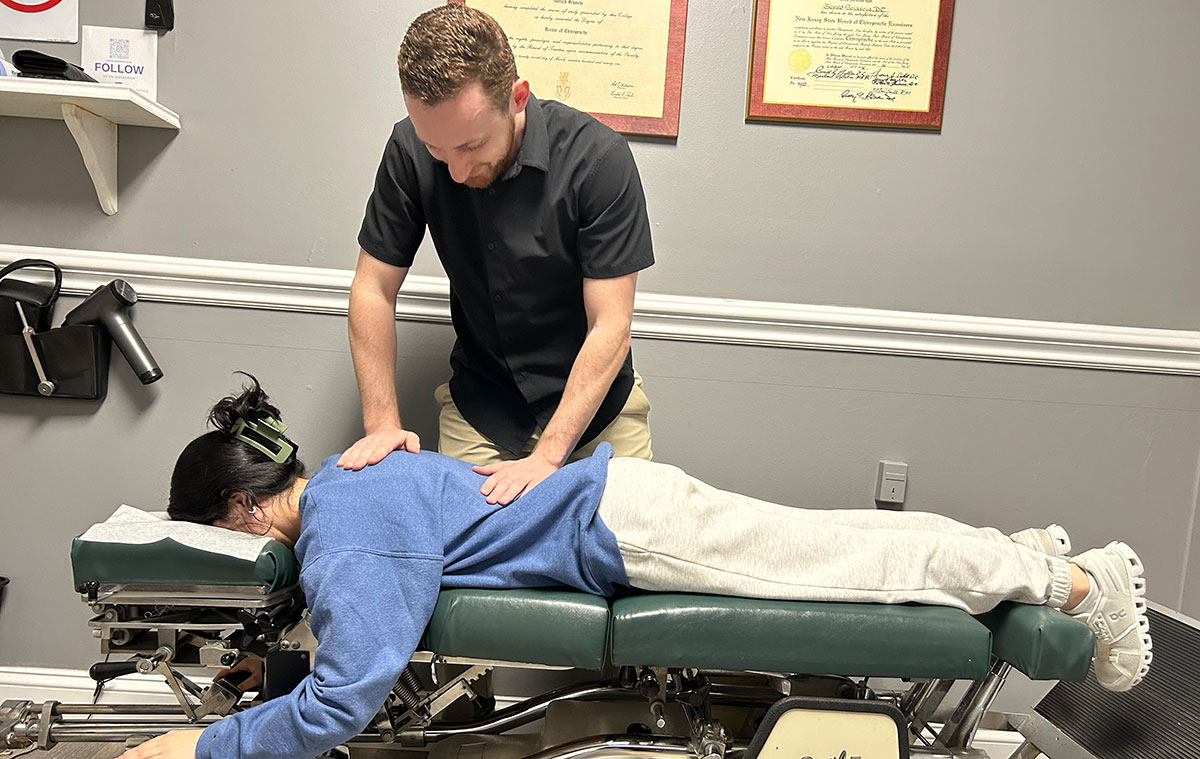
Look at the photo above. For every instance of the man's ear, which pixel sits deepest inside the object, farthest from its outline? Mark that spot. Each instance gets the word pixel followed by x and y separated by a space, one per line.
pixel 520 96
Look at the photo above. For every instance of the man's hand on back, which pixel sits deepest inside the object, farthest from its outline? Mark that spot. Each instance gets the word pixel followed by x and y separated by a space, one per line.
pixel 373 447
pixel 509 479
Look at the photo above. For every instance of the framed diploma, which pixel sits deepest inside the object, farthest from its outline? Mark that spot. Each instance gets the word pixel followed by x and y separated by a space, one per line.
pixel 619 60
pixel 862 62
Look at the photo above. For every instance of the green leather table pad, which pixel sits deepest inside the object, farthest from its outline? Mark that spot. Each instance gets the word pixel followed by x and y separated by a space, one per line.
pixel 166 562
pixel 568 628
pixel 717 632
pixel 1042 642
pixel 557 627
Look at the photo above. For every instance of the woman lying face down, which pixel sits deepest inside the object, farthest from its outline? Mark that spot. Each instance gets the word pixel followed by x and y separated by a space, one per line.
pixel 376 545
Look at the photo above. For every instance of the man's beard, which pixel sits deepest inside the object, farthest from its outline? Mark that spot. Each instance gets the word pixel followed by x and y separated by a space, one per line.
pixel 491 172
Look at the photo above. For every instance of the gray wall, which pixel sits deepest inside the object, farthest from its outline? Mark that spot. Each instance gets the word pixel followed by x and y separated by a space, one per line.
pixel 1061 187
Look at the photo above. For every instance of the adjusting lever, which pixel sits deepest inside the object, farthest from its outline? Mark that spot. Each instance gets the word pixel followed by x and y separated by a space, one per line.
pixel 102 671
pixel 45 386
pixel 651 688
pixel 145 664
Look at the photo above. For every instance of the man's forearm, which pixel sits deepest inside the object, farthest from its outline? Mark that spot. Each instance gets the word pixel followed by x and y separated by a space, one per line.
pixel 373 348
pixel 592 375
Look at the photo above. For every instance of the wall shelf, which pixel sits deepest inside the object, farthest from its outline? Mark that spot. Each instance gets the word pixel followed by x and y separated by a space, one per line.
pixel 92 111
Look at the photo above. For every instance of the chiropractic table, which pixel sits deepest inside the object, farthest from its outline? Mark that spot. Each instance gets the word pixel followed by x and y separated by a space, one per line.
pixel 667 674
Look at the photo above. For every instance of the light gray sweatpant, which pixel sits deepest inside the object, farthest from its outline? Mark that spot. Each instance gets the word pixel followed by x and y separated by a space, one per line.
pixel 677 533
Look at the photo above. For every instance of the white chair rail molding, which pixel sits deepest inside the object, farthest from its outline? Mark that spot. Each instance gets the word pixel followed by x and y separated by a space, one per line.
pixel 236 284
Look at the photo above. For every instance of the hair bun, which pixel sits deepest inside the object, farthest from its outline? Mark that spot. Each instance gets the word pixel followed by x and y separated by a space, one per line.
pixel 251 403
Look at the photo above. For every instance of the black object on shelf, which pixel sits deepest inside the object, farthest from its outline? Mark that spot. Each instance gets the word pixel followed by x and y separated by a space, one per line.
pixel 160 15
pixel 37 65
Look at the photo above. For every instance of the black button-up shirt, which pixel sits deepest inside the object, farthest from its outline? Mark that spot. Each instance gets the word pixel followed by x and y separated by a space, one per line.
pixel 516 253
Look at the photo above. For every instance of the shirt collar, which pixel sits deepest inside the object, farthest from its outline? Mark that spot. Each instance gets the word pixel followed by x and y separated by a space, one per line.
pixel 535 144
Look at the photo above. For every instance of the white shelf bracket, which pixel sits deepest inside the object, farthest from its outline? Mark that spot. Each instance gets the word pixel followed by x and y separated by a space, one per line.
pixel 97 141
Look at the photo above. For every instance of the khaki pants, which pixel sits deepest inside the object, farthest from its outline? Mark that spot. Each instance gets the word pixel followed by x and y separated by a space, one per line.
pixel 629 433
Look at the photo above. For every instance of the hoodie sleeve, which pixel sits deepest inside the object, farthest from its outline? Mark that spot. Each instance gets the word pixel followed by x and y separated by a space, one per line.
pixel 368 610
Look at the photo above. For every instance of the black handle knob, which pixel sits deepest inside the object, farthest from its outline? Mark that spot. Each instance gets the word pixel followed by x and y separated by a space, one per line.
pixel 108 670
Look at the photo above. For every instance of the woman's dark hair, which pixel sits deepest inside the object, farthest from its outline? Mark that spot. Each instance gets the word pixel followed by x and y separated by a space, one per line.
pixel 216 465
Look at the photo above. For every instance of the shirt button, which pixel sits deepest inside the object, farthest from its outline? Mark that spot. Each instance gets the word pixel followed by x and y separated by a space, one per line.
pixel 499 297
pixel 520 377
pixel 491 246
pixel 491 191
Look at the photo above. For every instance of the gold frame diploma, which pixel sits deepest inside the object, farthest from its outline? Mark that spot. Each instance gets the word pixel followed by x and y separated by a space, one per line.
pixel 619 60
pixel 861 62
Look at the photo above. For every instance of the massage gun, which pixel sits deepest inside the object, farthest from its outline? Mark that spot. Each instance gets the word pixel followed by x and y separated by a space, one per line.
pixel 108 305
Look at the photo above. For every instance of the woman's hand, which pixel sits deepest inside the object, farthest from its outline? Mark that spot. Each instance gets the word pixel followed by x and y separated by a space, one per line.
pixel 252 666
pixel 177 744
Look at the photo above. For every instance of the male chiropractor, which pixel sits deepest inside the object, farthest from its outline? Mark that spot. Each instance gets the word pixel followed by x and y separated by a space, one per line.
pixel 538 216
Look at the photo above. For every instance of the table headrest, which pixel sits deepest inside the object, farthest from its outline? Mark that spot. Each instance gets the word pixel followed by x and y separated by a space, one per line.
pixel 131 526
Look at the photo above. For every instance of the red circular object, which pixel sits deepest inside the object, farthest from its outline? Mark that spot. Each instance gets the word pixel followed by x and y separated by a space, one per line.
pixel 36 8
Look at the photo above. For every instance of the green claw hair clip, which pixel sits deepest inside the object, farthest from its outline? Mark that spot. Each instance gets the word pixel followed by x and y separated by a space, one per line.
pixel 261 433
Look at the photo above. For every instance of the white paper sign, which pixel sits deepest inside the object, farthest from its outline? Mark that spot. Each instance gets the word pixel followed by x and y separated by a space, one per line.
pixel 43 20
pixel 6 68
pixel 122 56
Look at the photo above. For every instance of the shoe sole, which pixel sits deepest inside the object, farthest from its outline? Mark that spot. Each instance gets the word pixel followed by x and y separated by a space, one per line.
pixel 1137 586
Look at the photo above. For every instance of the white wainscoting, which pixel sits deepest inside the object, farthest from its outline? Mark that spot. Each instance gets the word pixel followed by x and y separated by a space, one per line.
pixel 235 284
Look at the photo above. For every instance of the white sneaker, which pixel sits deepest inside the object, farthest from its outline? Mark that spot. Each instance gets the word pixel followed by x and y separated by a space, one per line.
pixel 1052 540
pixel 1123 646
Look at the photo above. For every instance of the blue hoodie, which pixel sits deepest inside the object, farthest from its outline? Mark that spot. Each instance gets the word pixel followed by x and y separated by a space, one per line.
pixel 375 546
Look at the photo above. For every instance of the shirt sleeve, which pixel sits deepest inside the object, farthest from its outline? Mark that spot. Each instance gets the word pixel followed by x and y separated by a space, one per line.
pixel 368 613
pixel 394 223
pixel 614 231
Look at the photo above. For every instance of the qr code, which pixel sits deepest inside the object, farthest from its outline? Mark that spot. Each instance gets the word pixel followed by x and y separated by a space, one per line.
pixel 118 49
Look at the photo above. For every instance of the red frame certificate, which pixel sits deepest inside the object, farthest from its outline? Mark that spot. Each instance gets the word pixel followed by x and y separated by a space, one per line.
pixel 860 62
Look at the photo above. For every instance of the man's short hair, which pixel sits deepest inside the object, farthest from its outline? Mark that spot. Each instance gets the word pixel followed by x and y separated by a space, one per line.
pixel 449 47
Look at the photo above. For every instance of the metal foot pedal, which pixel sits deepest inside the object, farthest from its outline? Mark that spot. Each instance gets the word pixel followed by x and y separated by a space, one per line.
pixel 1158 719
